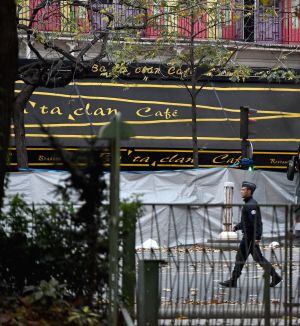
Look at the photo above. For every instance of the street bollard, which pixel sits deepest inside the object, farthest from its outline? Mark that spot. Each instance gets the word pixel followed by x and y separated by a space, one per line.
pixel 129 276
pixel 148 299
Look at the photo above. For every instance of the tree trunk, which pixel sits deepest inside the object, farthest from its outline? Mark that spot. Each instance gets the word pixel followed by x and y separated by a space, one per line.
pixel 194 132
pixel 8 72
pixel 19 128
pixel 193 92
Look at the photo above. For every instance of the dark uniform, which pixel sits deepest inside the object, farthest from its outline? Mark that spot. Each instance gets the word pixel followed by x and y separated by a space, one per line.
pixel 251 227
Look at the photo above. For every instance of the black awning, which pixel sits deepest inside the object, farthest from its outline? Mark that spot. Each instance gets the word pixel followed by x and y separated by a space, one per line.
pixel 160 158
pixel 160 114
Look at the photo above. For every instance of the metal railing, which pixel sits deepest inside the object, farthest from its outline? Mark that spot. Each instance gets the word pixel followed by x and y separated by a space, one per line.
pixel 277 26
pixel 179 259
pixel 192 260
pixel 228 22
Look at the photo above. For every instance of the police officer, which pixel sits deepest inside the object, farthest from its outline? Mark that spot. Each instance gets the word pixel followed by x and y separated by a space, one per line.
pixel 251 227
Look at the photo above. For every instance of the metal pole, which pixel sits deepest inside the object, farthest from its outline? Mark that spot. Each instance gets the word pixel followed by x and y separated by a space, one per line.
pixel 228 200
pixel 244 130
pixel 114 132
pixel 267 301
pixel 129 276
pixel 148 293
pixel 291 266
pixel 227 233
pixel 114 225
pixel 244 148
pixel 286 266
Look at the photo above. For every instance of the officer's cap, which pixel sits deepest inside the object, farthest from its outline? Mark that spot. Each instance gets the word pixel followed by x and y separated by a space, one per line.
pixel 249 185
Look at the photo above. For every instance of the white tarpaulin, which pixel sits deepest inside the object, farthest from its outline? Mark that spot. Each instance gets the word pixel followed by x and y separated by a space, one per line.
pixel 203 186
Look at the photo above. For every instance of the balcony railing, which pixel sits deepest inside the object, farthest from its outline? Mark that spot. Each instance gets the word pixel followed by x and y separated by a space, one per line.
pixel 228 22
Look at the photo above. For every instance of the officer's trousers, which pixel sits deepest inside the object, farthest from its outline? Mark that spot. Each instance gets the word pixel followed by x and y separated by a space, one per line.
pixel 246 248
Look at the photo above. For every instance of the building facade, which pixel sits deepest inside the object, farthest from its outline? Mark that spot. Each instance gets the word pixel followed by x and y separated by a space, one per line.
pixel 267 35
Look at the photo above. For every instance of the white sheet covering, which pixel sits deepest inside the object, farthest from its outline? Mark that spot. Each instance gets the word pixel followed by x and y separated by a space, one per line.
pixel 201 186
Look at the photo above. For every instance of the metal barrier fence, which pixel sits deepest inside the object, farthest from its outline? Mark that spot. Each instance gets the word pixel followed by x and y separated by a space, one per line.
pixel 180 260
pixel 228 21
pixel 183 241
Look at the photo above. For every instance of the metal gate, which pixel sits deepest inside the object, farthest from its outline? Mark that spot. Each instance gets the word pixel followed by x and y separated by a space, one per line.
pixel 192 260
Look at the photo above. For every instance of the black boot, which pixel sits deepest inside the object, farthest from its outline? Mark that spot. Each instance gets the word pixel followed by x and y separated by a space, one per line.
pixel 275 280
pixel 231 283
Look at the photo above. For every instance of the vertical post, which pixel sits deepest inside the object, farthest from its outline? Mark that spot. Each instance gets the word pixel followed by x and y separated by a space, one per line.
pixel 148 293
pixel 294 231
pixel 228 200
pixel 296 208
pixel 244 148
pixel 267 299
pixel 244 122
pixel 227 233
pixel 244 133
pixel 128 277
pixel 115 131
pixel 286 266
pixel 114 224
pixel 291 237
